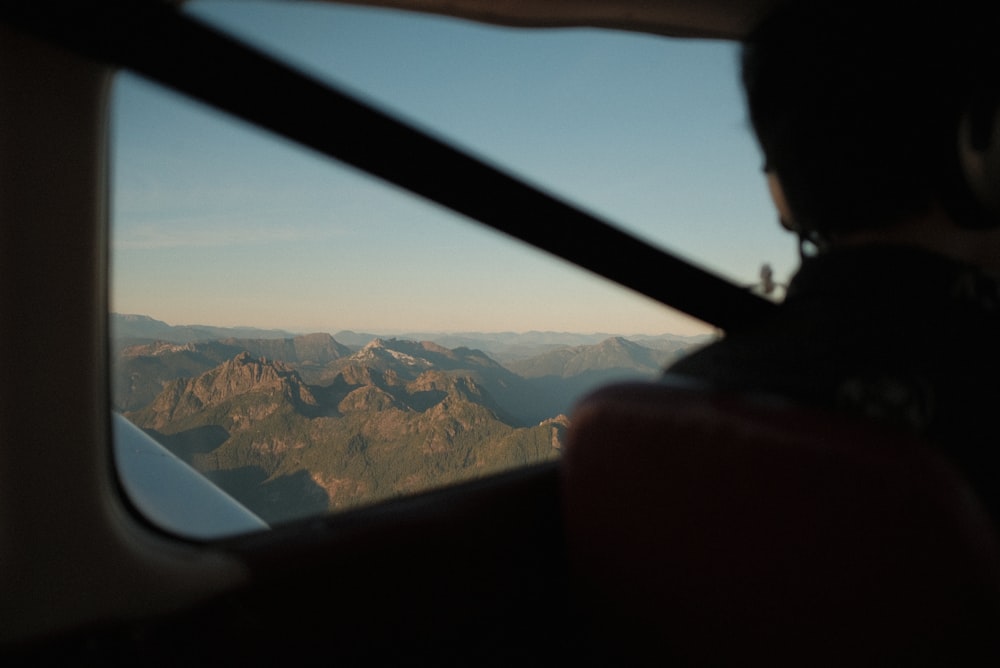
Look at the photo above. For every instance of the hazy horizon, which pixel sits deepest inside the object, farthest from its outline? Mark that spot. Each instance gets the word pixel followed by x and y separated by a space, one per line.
pixel 397 332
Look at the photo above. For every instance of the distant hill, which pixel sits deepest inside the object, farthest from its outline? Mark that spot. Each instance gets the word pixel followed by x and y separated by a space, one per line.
pixel 506 347
pixel 563 375
pixel 130 326
pixel 615 353
pixel 306 349
pixel 501 346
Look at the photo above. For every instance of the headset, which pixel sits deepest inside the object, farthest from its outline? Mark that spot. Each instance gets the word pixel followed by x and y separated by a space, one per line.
pixel 979 156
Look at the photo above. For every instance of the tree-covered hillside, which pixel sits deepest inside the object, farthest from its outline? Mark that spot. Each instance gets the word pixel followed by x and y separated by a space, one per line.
pixel 293 426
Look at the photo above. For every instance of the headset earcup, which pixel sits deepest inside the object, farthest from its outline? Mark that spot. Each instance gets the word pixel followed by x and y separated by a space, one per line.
pixel 777 192
pixel 979 155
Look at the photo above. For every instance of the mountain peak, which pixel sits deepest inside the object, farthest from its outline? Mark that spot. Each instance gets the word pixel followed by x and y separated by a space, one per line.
pixel 271 382
pixel 392 352
pixel 245 373
pixel 375 344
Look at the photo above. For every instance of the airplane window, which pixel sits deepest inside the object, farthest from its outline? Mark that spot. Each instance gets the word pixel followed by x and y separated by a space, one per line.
pixel 309 339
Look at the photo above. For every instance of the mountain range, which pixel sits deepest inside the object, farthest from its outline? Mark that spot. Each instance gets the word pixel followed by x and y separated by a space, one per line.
pixel 295 425
pixel 501 346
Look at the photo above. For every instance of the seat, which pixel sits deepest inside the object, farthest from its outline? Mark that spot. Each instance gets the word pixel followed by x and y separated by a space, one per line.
pixel 710 529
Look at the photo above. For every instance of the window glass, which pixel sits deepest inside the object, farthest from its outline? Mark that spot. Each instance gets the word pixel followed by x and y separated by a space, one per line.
pixel 310 339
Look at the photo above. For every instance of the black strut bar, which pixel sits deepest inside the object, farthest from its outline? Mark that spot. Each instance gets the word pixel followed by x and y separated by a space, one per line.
pixel 162 43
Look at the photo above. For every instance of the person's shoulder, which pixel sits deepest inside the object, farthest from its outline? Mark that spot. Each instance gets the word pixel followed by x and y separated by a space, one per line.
pixel 744 357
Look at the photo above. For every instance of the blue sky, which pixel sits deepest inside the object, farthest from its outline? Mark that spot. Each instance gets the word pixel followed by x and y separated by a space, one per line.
pixel 214 222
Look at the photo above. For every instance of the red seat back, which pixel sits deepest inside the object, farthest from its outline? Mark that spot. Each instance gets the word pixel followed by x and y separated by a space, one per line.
pixel 724 530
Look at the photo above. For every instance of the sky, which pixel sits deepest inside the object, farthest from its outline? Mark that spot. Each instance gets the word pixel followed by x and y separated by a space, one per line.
pixel 216 222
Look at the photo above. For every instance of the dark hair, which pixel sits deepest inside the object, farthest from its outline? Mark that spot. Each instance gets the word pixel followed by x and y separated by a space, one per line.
pixel 856 104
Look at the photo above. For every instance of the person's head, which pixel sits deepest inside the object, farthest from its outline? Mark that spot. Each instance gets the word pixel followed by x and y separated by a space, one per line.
pixel 857 107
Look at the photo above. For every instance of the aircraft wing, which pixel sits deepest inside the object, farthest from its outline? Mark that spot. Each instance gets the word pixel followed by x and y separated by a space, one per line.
pixel 172 494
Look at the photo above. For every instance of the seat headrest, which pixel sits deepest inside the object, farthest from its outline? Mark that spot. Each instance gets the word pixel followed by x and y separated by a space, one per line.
pixel 704 525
